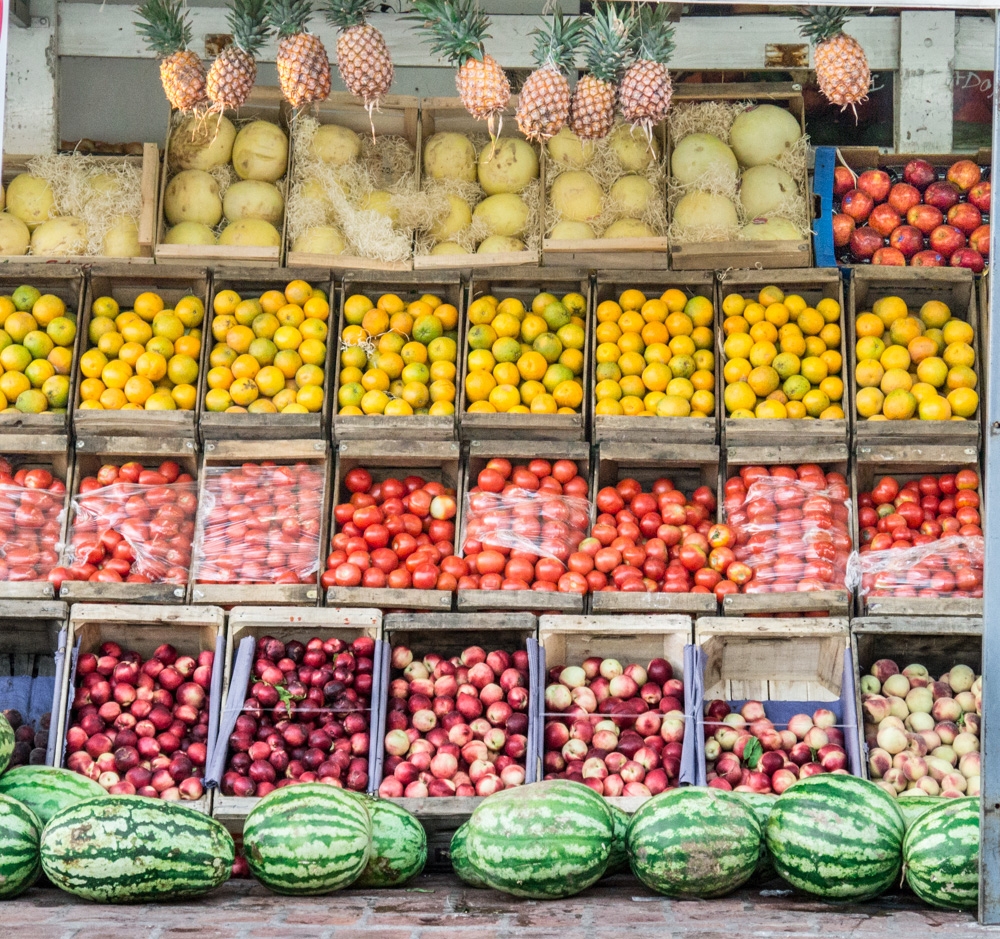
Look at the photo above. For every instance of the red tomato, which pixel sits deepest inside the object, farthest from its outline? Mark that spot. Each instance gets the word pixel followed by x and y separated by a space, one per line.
pixel 357 480
pixel 610 500
pixel 966 479
pixel 577 487
pixel 503 467
pixel 581 562
pixel 425 577
pixel 692 556
pixel 572 582
pixel 564 470
pixel 399 579
pixel 490 562
pixel 549 570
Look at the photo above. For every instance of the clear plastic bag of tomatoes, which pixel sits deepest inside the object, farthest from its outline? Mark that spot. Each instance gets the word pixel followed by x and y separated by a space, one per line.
pixel 259 523
pixel 791 528
pixel 949 566
pixel 31 516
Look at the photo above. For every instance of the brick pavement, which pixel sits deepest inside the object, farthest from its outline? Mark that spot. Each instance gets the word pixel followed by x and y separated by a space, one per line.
pixel 437 906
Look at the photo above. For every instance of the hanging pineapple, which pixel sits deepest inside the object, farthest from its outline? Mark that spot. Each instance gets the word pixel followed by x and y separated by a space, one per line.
pixel 362 56
pixel 303 66
pixel 457 29
pixel 167 32
pixel 605 47
pixel 234 71
pixel 841 65
pixel 543 105
pixel 645 90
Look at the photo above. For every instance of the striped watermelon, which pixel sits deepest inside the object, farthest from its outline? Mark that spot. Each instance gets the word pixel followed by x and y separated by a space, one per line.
pixel 836 836
pixel 761 803
pixel 941 855
pixel 131 849
pixel 619 850
pixel 694 842
pixel 308 839
pixel 20 831
pixel 460 859
pixel 6 742
pixel 399 846
pixel 47 789
pixel 913 808
pixel 547 840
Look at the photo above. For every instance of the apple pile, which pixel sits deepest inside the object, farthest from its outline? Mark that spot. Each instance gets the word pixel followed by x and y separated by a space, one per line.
pixel 132 525
pixel 923 734
pixel 618 730
pixel 790 525
pixel 456 726
pixel 306 717
pixel 939 516
pixel 745 752
pixel 141 728
pixel 397 533
pixel 523 528
pixel 919 220
pixel 29 744
pixel 31 504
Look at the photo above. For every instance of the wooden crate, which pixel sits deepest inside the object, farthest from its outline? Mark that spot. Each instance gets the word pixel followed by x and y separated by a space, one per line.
pixel 448 634
pixel 32 660
pixel 148 163
pixel 524 286
pixel 790 665
pixel 232 453
pixel 49 452
pixel 68 283
pixel 190 629
pixel 286 624
pixel 689 468
pixel 983 293
pixel 956 287
pixel 678 430
pixel 124 283
pixel 91 454
pixel 725 255
pixel 251 282
pixel 906 463
pixel 408 287
pixel 646 254
pixel 397 115
pixel 432 460
pixel 480 452
pixel 264 104
pixel 813 286
pixel 440 115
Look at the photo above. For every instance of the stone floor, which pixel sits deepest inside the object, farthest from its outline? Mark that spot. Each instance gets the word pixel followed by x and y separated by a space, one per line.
pixel 437 906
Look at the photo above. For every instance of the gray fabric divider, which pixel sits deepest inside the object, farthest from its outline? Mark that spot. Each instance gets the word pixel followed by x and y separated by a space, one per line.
pixel 215 699
pixel 694 668
pixel 379 706
pixel 239 677
pixel 56 702
pixel 536 693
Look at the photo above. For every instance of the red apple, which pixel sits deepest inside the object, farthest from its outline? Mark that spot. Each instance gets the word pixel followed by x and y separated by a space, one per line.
pixel 843 226
pixel 907 239
pixel 947 239
pixel 858 205
pixel 979 240
pixel 884 219
pixel 925 217
pixel 903 197
pixel 979 196
pixel 919 173
pixel 964 174
pixel 865 242
pixel 928 259
pixel 965 217
pixel 889 257
pixel 876 183
pixel 966 257
pixel 942 195
pixel 843 181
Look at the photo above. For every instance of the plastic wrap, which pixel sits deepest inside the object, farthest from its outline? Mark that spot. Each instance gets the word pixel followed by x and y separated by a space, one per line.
pixel 952 566
pixel 791 529
pixel 259 523
pixel 30 525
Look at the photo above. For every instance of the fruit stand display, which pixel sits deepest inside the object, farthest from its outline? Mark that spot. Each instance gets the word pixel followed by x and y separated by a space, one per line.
pixel 653 349
pixel 141 698
pixel 399 350
pixel 151 326
pixel 389 499
pixel 324 657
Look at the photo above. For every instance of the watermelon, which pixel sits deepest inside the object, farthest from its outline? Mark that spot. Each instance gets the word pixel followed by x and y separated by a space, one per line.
pixel 47 789
pixel 20 832
pixel 694 842
pixel 6 742
pixel 543 841
pixel 460 859
pixel 308 839
pixel 836 836
pixel 761 803
pixel 399 846
pixel 132 849
pixel 913 807
pixel 941 855
pixel 619 850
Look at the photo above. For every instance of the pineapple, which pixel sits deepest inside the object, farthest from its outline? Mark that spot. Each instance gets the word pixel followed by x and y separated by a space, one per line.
pixel 234 71
pixel 543 104
pixel 303 66
pixel 605 45
pixel 457 29
pixel 167 32
pixel 362 55
pixel 645 90
pixel 841 66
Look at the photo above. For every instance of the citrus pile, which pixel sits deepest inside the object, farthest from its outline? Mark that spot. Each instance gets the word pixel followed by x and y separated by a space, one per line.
pixel 523 361
pixel 269 352
pixel 36 351
pixel 654 357
pixel 782 357
pixel 914 365
pixel 145 358
pixel 398 358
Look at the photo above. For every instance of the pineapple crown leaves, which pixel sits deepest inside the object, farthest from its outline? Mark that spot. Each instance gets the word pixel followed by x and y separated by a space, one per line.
pixel 822 23
pixel 343 14
pixel 457 28
pixel 556 41
pixel 652 33
pixel 164 26
pixel 248 21
pixel 606 41
pixel 287 17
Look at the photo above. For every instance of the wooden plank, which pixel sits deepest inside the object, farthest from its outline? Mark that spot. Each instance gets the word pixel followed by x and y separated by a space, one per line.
pixel 85 591
pixel 690 603
pixel 770 455
pixel 529 600
pixel 831 602
pixel 389 599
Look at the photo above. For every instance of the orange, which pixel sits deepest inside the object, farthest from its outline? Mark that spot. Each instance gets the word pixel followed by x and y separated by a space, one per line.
pixel 272 300
pixel 868 373
pixel 700 310
pixel 90 389
pixel 934 408
pixel 316 308
pixel 188 345
pixel 656 376
pixel 221 377
pixel 607 311
pixel 816 402
pixel 736 370
pixel 478 385
pixel 733 304
pixel 811 322
pixel 655 332
pixel 137 389
pixel 632 299
pixel 218 399
pixel 933 371
pixel 774 410
pixel 963 402
pixel 739 396
pixel 632 386
pixel 190 311
pixel 112 399
pixel 905 329
pixel 116 373
pixel 869 402
pixel 608 407
pixel 953 331
pixel 703 380
pixel 673 406
pixel 298 291
pixel 763 380
pixel 934 314
pixel 896 379
pixel 47 307
pixel 239 338
pixel 632 405
pixel 763 332
pixel 899 405
pixel 735 324
pixel 247 311
pixel 869 347
pixel 771 294
pixel 243 391
pixel 291 315
pixel 92 363
pixel 390 303
pixel 310 397
pixel 448 314
pixel 955 353
pixel 679 324
pixel 150 365
pixel 830 334
pixel 631 322
pixel 147 305
pixel 868 324
pixel 830 309
pixel 543 404
pixel 245 366
pixel 287 337
pixel 137 331
pixel 355 308
pixel 961 376
pixel 532 365
pixel 703 401
pixel 655 311
pixel 890 309
pixel 762 353
pixel 777 314
pixel 738 346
